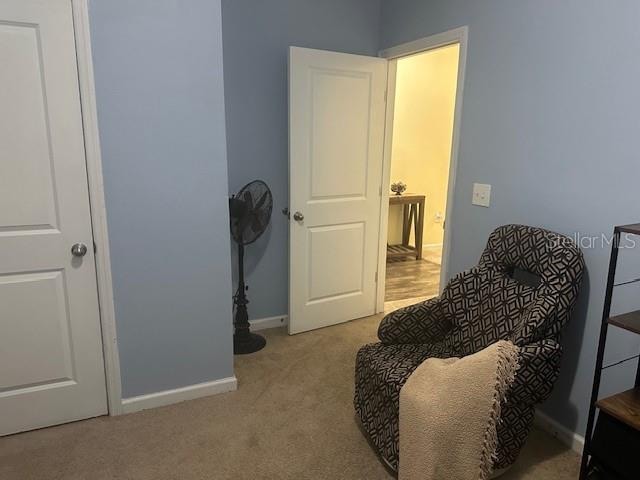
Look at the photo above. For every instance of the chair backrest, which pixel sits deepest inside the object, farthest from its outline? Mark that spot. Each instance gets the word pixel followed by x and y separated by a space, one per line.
pixel 523 289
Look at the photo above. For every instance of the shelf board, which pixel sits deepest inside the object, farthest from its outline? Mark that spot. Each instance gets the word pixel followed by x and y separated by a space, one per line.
pixel 629 321
pixel 624 407
pixel 400 250
pixel 633 228
pixel 626 282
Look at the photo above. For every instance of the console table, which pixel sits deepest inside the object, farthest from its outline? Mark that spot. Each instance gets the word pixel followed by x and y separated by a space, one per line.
pixel 412 213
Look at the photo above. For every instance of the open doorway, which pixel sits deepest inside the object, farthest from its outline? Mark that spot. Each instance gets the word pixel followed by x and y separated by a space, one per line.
pixel 341 118
pixel 424 86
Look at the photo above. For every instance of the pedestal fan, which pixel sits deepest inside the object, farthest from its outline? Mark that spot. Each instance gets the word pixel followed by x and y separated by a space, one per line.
pixel 250 211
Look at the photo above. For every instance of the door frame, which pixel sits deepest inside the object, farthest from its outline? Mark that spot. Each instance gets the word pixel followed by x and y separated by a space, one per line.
pixel 456 35
pixel 97 203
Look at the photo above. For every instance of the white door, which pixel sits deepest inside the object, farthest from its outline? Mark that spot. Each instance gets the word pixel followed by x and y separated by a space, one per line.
pixel 51 365
pixel 336 123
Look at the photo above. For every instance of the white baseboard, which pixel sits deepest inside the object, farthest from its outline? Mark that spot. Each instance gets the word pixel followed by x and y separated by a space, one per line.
pixel 269 322
pixel 168 397
pixel 562 433
pixel 431 245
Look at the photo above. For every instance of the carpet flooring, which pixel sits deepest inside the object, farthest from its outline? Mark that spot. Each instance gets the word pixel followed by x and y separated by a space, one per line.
pixel 291 418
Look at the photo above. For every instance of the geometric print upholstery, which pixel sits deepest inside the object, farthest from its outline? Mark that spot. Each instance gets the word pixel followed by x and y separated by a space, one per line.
pixel 478 307
pixel 423 322
pixel 483 308
pixel 554 258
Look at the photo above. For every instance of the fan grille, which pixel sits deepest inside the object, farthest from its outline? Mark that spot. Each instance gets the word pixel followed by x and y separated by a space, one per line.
pixel 251 211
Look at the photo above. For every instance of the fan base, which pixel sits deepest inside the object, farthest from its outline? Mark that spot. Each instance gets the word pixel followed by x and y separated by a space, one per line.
pixel 248 343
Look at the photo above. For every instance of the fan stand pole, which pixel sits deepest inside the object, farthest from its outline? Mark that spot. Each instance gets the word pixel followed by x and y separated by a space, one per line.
pixel 243 340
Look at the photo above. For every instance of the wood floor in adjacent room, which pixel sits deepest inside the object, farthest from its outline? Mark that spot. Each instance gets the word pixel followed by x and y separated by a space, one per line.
pixel 409 280
pixel 291 418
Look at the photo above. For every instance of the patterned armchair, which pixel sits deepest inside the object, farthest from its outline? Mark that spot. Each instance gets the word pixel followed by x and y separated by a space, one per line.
pixel 523 290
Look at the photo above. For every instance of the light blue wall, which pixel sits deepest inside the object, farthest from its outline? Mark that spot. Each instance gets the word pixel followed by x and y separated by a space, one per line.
pixel 551 121
pixel 159 83
pixel 257 35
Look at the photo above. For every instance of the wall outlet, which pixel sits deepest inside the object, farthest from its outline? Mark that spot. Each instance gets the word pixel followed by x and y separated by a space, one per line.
pixel 481 194
pixel 439 217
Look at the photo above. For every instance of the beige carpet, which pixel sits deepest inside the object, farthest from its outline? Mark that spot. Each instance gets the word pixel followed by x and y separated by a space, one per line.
pixel 292 418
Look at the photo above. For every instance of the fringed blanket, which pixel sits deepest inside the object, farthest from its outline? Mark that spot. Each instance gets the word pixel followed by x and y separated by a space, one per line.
pixel 448 414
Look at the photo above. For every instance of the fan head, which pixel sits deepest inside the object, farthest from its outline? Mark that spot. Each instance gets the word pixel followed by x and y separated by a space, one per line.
pixel 250 212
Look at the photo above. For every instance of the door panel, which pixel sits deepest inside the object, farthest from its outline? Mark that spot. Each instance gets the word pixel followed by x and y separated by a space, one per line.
pixel 51 365
pixel 336 109
pixel 24 132
pixel 340 130
pixel 325 259
pixel 39 322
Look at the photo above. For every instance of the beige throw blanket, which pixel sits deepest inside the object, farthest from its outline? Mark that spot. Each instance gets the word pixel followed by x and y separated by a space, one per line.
pixel 448 414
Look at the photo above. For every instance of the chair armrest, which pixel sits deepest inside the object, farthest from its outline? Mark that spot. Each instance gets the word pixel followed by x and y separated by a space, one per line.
pixel 537 373
pixel 423 322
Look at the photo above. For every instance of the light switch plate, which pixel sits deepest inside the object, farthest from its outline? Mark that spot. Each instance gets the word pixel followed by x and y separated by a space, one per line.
pixel 481 194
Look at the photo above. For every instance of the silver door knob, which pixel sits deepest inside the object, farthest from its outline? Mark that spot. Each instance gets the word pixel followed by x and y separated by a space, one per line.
pixel 79 250
pixel 298 217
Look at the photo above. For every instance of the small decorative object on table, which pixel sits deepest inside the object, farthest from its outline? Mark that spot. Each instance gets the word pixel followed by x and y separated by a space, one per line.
pixel 398 187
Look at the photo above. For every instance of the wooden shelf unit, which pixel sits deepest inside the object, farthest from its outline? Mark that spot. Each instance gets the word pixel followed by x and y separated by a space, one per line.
pixel 628 321
pixel 625 406
pixel 633 228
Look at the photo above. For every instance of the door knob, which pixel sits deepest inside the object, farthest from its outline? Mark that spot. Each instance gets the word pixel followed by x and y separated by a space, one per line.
pixel 298 217
pixel 79 250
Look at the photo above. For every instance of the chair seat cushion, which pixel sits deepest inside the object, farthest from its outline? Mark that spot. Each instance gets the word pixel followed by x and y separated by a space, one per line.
pixel 381 371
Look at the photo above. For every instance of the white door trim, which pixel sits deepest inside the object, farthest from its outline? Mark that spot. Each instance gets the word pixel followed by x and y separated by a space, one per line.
pixel 97 205
pixel 384 187
pixel 457 35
